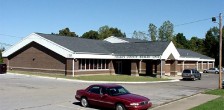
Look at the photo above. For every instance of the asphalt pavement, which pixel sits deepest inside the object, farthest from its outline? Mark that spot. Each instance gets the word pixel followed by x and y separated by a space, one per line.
pixel 33 93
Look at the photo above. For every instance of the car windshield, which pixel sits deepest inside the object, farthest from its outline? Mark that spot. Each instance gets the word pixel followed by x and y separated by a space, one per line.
pixel 115 91
pixel 187 71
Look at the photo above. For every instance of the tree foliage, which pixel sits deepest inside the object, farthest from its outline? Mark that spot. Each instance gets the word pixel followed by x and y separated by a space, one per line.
pixel 196 44
pixel 211 43
pixel 139 35
pixel 166 31
pixel 106 31
pixel 67 32
pixel 91 35
pixel 152 32
pixel 180 41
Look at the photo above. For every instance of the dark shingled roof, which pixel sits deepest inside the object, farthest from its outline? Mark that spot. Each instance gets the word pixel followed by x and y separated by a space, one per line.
pixel 189 53
pixel 99 46
pixel 77 44
pixel 144 48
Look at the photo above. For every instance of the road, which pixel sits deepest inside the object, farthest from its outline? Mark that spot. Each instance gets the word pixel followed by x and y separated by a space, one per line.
pixel 19 92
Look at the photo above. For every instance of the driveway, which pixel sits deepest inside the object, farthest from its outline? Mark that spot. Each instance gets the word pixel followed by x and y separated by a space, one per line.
pixel 19 92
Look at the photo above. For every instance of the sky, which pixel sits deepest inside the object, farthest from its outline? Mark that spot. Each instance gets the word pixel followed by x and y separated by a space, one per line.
pixel 19 18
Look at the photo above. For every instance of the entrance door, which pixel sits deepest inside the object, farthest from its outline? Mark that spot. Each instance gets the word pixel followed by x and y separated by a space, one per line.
pixel 119 67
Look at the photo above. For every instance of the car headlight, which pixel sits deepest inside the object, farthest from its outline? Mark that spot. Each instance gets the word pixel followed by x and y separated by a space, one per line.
pixel 134 104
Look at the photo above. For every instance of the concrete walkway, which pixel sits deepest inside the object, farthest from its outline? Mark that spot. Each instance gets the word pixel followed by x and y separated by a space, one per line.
pixel 187 103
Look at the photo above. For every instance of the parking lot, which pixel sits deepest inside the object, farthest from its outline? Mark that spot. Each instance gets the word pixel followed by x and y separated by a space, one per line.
pixel 20 92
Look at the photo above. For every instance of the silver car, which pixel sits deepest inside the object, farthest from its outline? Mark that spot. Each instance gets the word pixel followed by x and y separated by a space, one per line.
pixel 212 70
pixel 192 74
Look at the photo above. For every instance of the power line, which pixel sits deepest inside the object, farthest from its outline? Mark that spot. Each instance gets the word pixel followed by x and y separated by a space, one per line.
pixel 192 22
pixel 10 35
pixel 5 44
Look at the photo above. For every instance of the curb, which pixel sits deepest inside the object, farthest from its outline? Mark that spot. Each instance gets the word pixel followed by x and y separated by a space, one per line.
pixel 75 80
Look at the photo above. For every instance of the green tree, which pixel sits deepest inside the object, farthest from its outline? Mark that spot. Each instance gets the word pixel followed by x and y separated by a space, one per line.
pixel 196 44
pixel 211 43
pixel 91 35
pixel 67 32
pixel 106 31
pixel 139 35
pixel 166 31
pixel 180 41
pixel 152 32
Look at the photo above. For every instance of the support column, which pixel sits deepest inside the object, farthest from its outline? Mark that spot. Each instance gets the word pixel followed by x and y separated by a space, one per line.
pixel 69 67
pixel 202 65
pixel 197 65
pixel 213 65
pixel 111 68
pixel 183 66
pixel 140 66
pixel 134 68
pixel 161 68
pixel 73 69
pixel 207 65
pixel 173 69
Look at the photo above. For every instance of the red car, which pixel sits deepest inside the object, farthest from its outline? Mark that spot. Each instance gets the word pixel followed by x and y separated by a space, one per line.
pixel 112 96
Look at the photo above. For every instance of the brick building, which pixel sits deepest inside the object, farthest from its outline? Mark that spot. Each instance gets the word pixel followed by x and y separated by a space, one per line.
pixel 73 56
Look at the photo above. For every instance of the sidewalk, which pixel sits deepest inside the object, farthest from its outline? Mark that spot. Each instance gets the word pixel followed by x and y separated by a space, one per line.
pixel 187 103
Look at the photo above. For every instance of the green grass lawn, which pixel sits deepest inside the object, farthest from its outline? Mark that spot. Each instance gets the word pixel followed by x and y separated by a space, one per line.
pixel 216 104
pixel 124 78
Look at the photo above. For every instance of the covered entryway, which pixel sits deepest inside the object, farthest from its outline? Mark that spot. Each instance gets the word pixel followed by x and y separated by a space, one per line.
pixel 122 67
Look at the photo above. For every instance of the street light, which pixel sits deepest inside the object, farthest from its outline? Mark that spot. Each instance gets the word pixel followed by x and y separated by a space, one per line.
pixel 220 48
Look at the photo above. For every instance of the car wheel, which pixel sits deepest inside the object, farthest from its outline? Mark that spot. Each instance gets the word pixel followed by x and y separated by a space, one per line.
pixel 216 72
pixel 84 102
pixel 194 78
pixel 120 107
pixel 199 78
pixel 204 71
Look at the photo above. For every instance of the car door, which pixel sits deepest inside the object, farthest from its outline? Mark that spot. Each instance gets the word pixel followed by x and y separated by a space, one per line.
pixel 107 100
pixel 94 97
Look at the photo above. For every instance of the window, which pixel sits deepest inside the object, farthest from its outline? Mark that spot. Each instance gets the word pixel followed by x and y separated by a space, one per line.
pixel 93 64
pixel 95 89
pixel 114 91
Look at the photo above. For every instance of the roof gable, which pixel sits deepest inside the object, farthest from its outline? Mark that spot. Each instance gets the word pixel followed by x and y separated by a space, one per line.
pixel 40 40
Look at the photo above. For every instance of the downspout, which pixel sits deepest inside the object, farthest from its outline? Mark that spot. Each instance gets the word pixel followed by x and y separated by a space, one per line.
pixel 73 71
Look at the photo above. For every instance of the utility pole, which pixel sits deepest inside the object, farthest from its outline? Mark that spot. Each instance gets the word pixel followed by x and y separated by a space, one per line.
pixel 220 48
pixel 220 51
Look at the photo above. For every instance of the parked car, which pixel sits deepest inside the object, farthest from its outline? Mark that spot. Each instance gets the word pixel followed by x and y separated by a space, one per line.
pixel 112 96
pixel 192 74
pixel 3 68
pixel 223 84
pixel 212 70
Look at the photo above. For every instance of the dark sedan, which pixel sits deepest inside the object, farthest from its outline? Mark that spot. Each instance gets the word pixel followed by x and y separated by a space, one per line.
pixel 112 96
